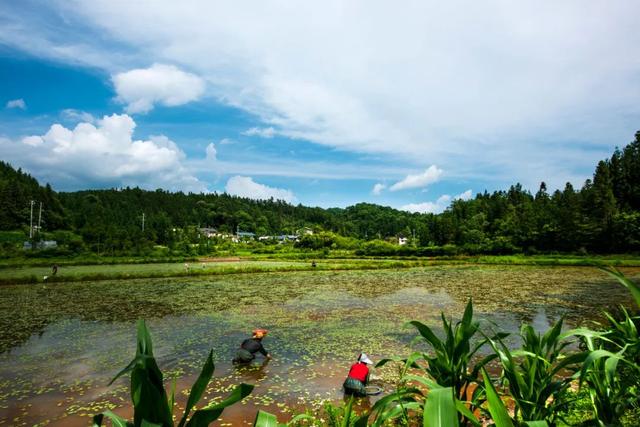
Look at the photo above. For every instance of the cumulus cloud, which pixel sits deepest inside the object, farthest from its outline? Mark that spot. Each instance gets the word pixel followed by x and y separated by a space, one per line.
pixel 104 154
pixel 438 206
pixel 268 132
pixel 464 196
pixel 377 189
pixel 429 207
pixel 17 103
pixel 486 88
pixel 429 176
pixel 33 140
pixel 212 153
pixel 245 186
pixel 142 88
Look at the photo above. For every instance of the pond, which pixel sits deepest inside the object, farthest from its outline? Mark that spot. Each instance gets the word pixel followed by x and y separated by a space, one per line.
pixel 61 343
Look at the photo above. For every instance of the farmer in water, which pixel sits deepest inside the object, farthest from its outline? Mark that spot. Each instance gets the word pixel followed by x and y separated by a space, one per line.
pixel 249 347
pixel 358 377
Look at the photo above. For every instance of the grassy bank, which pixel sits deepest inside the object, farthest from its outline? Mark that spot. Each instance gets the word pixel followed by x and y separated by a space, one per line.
pixel 139 271
pixel 111 269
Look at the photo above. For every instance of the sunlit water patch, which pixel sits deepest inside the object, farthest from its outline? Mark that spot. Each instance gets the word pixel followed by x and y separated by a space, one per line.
pixel 61 343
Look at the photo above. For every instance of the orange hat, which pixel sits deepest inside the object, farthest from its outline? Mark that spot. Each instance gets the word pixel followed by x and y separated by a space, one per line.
pixel 259 333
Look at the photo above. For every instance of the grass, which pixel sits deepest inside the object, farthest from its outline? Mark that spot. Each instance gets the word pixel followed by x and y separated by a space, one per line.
pixel 34 271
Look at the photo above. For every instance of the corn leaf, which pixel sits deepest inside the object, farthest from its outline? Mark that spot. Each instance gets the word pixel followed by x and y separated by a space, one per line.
pixel 440 409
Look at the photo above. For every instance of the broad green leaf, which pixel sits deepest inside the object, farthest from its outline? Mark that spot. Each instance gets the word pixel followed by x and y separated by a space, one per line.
pixel 440 409
pixel 431 384
pixel 148 395
pixel 624 281
pixel 496 407
pixel 172 396
pixel 468 313
pixel 265 419
pixel 464 410
pixel 395 412
pixel 537 423
pixel 199 387
pixel 361 421
pixel 204 417
pixel 347 413
pixel 428 335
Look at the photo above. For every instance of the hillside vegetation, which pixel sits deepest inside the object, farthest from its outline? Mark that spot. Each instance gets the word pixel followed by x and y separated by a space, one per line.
pixel 601 217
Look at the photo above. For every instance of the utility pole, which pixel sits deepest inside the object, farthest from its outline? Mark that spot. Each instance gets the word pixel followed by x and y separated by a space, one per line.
pixel 143 221
pixel 40 219
pixel 31 221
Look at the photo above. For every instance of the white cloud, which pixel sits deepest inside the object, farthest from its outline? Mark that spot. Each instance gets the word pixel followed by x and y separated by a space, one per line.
pixel 377 189
pixel 244 186
pixel 227 141
pixel 464 196
pixel 33 140
pixel 212 153
pixel 429 207
pixel 17 103
pixel 71 114
pixel 142 88
pixel 429 176
pixel 438 206
pixel 261 132
pixel 104 154
pixel 493 88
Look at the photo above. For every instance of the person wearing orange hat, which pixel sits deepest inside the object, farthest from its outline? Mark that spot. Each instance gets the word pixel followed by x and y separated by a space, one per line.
pixel 249 347
pixel 358 377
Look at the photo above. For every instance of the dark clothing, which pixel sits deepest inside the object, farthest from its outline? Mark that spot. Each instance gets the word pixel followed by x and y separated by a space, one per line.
pixel 354 387
pixel 253 345
pixel 248 349
pixel 357 380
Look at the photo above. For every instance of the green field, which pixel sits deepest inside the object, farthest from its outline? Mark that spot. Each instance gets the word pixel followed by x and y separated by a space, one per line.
pixel 35 270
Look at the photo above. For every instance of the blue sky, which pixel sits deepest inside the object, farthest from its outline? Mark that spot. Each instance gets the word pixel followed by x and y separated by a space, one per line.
pixel 329 105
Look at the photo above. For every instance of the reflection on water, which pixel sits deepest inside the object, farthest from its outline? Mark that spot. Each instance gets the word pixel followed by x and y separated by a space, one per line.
pixel 62 343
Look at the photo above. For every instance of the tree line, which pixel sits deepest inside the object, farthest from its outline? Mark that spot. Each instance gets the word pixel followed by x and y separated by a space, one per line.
pixel 601 217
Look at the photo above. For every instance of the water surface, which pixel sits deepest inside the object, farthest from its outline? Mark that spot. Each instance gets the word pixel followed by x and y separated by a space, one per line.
pixel 61 343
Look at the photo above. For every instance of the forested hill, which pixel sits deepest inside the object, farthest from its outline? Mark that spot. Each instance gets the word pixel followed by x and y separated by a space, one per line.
pixel 602 216
pixel 17 189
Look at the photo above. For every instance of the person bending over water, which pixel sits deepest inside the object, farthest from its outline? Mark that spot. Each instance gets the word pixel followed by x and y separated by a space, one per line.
pixel 249 347
pixel 358 377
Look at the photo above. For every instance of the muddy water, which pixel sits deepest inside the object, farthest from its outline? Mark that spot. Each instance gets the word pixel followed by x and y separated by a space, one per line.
pixel 60 344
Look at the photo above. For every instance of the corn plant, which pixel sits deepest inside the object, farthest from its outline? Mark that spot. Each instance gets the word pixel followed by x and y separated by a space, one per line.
pixel 622 330
pixel 151 407
pixel 498 410
pixel 611 372
pixel 449 364
pixel 535 374
pixel 609 395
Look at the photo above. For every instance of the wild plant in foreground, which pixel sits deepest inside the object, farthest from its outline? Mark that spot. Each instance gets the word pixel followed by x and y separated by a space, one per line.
pixel 151 407
pixel 535 374
pixel 449 363
pixel 611 373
